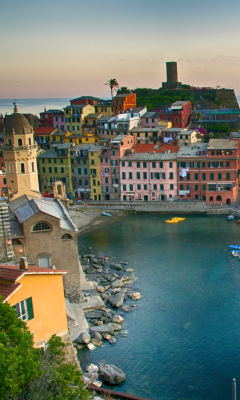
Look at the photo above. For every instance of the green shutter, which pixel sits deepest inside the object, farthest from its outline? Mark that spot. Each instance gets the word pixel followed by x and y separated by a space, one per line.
pixel 30 308
pixel 203 164
pixel 161 164
pixel 203 176
pixel 219 176
pixel 196 177
pixel 17 310
pixel 188 177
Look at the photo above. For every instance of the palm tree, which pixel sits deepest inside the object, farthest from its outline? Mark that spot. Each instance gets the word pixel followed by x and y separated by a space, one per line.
pixel 113 84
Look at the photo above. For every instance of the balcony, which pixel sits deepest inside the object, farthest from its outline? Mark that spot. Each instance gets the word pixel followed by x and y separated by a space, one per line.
pixel 218 187
pixel 7 147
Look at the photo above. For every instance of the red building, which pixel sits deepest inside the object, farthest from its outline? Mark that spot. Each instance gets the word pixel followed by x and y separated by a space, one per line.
pixel 179 114
pixel 83 100
pixel 122 102
pixel 46 118
pixel 209 172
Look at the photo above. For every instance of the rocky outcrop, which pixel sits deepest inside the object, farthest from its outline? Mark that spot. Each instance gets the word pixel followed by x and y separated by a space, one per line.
pixel 111 374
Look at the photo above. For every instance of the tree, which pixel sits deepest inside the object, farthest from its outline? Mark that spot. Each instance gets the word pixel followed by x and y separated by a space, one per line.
pixel 113 84
pixel 28 373
pixel 123 90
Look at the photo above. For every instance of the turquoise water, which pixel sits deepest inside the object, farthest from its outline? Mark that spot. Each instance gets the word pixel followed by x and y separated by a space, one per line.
pixel 184 338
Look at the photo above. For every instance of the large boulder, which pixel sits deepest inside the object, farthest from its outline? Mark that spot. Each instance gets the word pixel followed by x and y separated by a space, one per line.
pixel 118 267
pixel 94 314
pixel 111 374
pixel 117 319
pixel 116 327
pixel 117 283
pixel 112 340
pixel 102 329
pixel 100 289
pixel 84 338
pixel 96 336
pixel 117 300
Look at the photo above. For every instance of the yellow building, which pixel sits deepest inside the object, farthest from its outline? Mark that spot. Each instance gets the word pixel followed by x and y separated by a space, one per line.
pixel 37 296
pixel 95 173
pixel 105 108
pixel 91 121
pixel 86 137
pixel 20 153
pixel 74 116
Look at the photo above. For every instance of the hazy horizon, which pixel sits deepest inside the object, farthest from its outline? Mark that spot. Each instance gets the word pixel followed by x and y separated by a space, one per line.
pixel 55 49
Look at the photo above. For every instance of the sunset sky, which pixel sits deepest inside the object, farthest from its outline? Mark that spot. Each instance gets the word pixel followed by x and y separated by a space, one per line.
pixel 56 48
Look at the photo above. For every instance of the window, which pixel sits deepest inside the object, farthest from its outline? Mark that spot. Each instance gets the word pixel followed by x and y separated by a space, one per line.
pixel 161 187
pixel 94 182
pixel 106 180
pixel 144 187
pixel 138 164
pixel 19 142
pixel 170 164
pixel 188 165
pixel 203 176
pixel 171 186
pixel 155 175
pixel 113 153
pixel 43 169
pixel 227 163
pixel 161 164
pixel 154 187
pixel 62 170
pixel 188 176
pixel 181 187
pixel 92 162
pixel 203 187
pixel 66 236
pixel 123 175
pixel 144 164
pixel 138 187
pixel 211 176
pixel 176 119
pixel 219 176
pixel 144 175
pixel 32 166
pixel 24 309
pixel 124 188
pixel 29 141
pixel 49 160
pixel 123 163
pixel 211 164
pixel 131 188
pixel 196 165
pixel 41 226
pixel 80 182
pixel 79 171
pixel 22 166
pixel 171 175
pixel 138 175
pixel 50 169
pixel 130 175
pixel 212 153
pixel 153 164
pixel 162 175
pixel 196 187
pixel 220 164
pixel 61 160
pixel 129 163
pixel 203 164
pixel 196 177
pixel 228 175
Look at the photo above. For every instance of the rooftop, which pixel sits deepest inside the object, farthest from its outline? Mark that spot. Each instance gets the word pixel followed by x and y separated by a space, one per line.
pixel 235 135
pixel 150 114
pixel 86 98
pixel 193 150
pixel 174 130
pixel 44 131
pixel 188 132
pixel 222 144
pixel 93 115
pixel 48 154
pixel 119 138
pixel 123 95
pixel 156 129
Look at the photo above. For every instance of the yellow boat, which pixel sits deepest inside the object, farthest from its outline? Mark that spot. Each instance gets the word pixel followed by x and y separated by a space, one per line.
pixel 175 220
pixel 171 222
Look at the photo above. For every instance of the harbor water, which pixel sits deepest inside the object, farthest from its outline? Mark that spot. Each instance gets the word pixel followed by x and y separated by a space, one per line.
pixel 184 335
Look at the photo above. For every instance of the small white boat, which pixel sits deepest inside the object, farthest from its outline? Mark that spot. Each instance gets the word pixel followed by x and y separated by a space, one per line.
pixel 107 214
pixel 230 217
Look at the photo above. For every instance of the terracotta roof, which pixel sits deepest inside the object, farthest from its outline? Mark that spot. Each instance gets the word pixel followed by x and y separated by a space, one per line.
pixel 44 131
pixel 150 148
pixel 12 272
pixel 7 290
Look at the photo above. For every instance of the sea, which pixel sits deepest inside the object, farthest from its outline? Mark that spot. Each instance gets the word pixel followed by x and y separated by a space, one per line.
pixel 35 106
pixel 183 338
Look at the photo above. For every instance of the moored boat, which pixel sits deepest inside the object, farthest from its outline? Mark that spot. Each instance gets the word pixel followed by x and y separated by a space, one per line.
pixel 107 214
pixel 234 247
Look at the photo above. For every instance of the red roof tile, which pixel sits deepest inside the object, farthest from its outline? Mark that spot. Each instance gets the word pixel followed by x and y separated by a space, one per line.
pixel 44 131
pixel 13 272
pixel 7 290
pixel 10 274
pixel 150 148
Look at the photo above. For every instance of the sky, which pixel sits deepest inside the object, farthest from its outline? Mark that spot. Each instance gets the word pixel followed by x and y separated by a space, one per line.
pixel 56 48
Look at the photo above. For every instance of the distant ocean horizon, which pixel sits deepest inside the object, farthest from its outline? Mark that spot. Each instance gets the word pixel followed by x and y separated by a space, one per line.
pixel 35 106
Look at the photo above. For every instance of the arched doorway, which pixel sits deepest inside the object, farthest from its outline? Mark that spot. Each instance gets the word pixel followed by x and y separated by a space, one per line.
pixel 211 199
pixel 219 198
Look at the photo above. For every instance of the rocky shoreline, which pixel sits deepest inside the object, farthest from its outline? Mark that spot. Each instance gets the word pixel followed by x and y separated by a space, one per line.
pixel 115 282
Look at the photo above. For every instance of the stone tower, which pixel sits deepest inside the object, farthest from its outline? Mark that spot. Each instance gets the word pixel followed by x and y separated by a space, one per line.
pixel 20 153
pixel 59 193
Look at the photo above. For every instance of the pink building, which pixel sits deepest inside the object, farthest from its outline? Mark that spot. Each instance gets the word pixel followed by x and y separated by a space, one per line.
pixel 150 120
pixel 59 121
pixel 149 172
pixel 110 156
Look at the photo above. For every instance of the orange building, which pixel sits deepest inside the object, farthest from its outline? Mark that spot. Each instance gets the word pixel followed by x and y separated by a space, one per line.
pixel 37 296
pixel 122 102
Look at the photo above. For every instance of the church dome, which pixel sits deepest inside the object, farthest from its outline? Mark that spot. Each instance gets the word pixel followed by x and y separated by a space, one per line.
pixel 17 123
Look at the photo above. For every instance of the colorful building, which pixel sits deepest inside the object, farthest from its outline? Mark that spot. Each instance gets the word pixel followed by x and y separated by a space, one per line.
pixel 59 121
pixel 86 137
pixel 95 172
pixel 47 116
pixel 150 120
pixel 170 134
pixel 209 171
pixel 80 171
pixel 120 124
pixel 37 296
pixel 85 100
pixel 179 114
pixel 74 116
pixel 110 158
pixel 90 122
pixel 148 172
pixel 43 135
pixel 187 137
pixel 55 165
pixel 229 117
pixel 3 183
pixel 105 108
pixel 123 102
pixel 147 135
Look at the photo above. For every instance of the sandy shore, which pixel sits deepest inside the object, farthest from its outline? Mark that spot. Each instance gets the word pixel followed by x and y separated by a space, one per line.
pixel 87 220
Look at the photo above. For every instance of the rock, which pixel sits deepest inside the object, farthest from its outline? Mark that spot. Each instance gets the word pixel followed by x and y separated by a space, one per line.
pixel 129 270
pixel 94 314
pixel 136 296
pixel 117 300
pixel 118 267
pixel 89 248
pixel 107 287
pixel 94 260
pixel 89 271
pixel 79 346
pixel 106 320
pixel 96 343
pixel 106 336
pixel 117 319
pixel 118 283
pixel 100 289
pixel 111 374
pixel 112 340
pixel 106 258
pixel 96 266
pixel 116 275
pixel 84 256
pixel 106 314
pixel 99 270
pixel 96 323
pixel 116 327
pixel 133 305
pixel 84 338
pixel 92 368
pixel 125 278
pixel 130 295
pixel 103 329
pixel 124 262
pixel 96 336
pixel 104 296
pixel 126 308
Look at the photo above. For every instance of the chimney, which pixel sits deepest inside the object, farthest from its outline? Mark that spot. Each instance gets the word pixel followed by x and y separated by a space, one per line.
pixel 23 264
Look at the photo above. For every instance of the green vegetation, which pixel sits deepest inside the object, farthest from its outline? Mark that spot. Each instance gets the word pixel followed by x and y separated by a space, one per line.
pixel 217 132
pixel 28 373
pixel 113 84
pixel 123 90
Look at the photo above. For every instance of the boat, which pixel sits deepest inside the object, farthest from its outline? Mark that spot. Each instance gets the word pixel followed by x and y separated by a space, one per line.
pixel 107 214
pixel 234 247
pixel 175 220
pixel 230 217
pixel 171 221
pixel 236 253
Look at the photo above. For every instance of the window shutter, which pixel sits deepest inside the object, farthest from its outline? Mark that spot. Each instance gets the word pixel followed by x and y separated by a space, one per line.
pixel 151 175
pixel 30 308
pixel 16 308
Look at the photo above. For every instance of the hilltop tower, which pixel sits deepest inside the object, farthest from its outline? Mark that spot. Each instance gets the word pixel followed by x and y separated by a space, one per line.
pixel 172 76
pixel 20 153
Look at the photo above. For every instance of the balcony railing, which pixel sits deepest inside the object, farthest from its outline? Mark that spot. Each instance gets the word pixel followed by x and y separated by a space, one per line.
pixel 18 148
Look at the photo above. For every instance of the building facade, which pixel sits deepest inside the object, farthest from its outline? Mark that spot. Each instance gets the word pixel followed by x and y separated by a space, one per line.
pixel 122 102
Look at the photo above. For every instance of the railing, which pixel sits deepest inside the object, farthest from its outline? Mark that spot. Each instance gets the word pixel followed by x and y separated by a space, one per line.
pixel 17 148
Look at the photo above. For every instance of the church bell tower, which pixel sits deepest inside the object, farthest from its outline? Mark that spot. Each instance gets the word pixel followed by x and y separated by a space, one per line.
pixel 20 154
